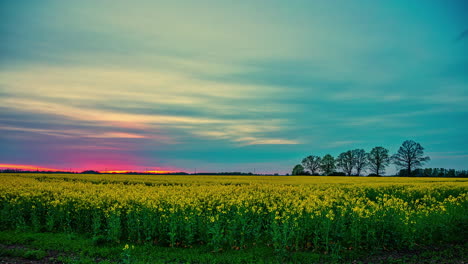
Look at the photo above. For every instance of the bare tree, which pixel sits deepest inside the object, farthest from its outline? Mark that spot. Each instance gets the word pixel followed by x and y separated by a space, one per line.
pixel 410 156
pixel 360 160
pixel 378 159
pixel 327 165
pixel 312 163
pixel 346 162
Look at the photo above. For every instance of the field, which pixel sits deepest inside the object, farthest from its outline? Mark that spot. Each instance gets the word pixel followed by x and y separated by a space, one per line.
pixel 232 218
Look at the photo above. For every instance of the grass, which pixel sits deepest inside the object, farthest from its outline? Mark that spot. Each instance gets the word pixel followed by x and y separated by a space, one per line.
pixel 73 248
pixel 76 248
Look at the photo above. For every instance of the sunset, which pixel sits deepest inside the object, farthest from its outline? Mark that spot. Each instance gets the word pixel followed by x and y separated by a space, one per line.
pixel 322 131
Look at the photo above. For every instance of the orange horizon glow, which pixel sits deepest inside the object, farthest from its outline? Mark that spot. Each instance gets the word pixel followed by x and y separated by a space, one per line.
pixel 129 171
pixel 160 172
pixel 26 167
pixel 39 168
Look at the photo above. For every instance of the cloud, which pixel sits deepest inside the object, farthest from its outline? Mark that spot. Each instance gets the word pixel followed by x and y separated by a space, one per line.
pixel 448 155
pixel 401 119
pixel 156 102
pixel 73 133
pixel 266 141
pixel 336 144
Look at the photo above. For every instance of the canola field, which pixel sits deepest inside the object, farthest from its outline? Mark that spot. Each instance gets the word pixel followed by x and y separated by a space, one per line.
pixel 286 213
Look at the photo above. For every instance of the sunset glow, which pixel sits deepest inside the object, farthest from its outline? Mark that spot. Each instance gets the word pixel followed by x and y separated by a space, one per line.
pixel 25 167
pixel 127 171
pixel 38 168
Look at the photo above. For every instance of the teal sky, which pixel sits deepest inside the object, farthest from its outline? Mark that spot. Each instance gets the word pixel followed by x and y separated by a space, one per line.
pixel 229 86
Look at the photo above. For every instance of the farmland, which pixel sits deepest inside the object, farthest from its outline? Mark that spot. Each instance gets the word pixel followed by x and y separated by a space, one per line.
pixel 281 215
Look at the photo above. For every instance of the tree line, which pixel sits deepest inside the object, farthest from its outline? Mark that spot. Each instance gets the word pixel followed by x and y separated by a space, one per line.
pixel 436 172
pixel 409 158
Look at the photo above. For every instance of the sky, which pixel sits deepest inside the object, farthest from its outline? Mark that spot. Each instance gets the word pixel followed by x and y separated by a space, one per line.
pixel 229 85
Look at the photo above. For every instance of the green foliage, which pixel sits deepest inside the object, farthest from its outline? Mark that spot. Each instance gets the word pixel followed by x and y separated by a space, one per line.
pixel 435 172
pixel 298 170
pixel 35 254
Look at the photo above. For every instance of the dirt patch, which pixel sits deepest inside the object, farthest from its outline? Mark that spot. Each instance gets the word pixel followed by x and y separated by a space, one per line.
pixel 17 260
pixel 450 253
pixel 23 254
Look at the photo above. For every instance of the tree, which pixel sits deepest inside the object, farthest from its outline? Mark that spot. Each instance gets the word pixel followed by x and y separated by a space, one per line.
pixel 428 172
pixel 451 173
pixel 327 165
pixel 360 160
pixel 378 159
pixel 346 162
pixel 410 156
pixel 90 172
pixel 298 170
pixel 312 163
pixel 442 172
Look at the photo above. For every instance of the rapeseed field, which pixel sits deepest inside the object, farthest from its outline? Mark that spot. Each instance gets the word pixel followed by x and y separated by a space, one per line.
pixel 328 215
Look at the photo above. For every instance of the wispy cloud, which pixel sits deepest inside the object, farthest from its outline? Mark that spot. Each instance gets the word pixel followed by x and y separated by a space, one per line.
pixel 266 141
pixel 69 133
pixel 401 119
pixel 83 103
pixel 336 144
pixel 448 155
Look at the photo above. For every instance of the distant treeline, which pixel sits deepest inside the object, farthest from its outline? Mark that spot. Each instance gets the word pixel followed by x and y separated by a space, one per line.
pixel 409 159
pixel 235 173
pixel 85 172
pixel 136 173
pixel 36 171
pixel 435 172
